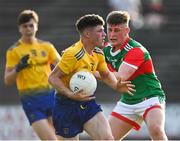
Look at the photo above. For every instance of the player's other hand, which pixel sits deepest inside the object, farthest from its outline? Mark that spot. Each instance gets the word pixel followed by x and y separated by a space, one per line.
pixel 97 75
pixel 81 96
pixel 23 63
pixel 125 87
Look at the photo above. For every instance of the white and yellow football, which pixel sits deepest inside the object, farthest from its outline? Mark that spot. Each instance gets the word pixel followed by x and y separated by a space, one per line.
pixel 83 80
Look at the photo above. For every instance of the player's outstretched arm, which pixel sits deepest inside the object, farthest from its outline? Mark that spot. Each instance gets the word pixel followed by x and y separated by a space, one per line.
pixel 118 85
pixel 125 87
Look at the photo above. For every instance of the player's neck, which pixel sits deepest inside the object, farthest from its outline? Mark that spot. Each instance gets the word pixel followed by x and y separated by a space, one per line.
pixel 29 40
pixel 121 44
pixel 88 46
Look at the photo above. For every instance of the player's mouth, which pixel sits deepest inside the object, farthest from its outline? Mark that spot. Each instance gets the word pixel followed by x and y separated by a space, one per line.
pixel 113 40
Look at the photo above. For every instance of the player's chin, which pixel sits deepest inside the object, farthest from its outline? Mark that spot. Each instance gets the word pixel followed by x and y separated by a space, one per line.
pixel 113 43
pixel 29 35
pixel 101 43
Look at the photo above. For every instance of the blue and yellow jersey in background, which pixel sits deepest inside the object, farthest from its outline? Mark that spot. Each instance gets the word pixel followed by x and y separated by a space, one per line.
pixel 35 76
pixel 75 58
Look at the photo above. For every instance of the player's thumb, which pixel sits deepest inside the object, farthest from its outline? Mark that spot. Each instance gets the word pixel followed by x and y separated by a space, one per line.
pixel 119 80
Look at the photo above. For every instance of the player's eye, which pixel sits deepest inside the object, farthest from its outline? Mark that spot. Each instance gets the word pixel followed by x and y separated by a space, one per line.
pixel 28 25
pixel 109 30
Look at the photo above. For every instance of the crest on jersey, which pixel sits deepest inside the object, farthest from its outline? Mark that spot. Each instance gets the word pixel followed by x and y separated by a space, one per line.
pixel 43 53
pixel 66 130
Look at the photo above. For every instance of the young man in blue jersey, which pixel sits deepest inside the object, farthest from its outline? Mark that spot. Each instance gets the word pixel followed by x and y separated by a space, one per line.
pixel 75 111
pixel 129 60
pixel 28 64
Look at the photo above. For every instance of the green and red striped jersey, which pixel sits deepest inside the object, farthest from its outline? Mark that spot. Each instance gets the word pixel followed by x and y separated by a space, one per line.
pixel 145 80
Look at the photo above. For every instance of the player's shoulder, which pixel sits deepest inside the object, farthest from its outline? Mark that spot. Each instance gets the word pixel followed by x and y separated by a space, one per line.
pixel 98 50
pixel 133 43
pixel 14 46
pixel 43 42
pixel 134 47
pixel 107 46
pixel 76 50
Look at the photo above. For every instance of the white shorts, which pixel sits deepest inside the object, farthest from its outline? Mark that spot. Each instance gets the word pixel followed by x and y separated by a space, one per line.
pixel 134 114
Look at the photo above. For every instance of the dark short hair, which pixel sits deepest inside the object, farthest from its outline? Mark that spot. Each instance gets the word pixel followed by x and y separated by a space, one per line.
pixel 26 16
pixel 89 20
pixel 118 17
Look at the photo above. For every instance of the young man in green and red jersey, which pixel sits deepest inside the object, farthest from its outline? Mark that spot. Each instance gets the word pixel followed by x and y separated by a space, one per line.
pixel 129 60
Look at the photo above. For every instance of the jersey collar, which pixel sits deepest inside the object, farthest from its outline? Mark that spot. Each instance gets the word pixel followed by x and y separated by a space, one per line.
pixel 34 42
pixel 80 43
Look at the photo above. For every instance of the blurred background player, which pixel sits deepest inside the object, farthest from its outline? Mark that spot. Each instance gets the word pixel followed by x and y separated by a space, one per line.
pixel 129 60
pixel 28 63
pixel 133 7
pixel 75 111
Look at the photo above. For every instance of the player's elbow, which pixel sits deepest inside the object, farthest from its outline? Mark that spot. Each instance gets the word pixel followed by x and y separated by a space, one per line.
pixel 7 81
pixel 50 79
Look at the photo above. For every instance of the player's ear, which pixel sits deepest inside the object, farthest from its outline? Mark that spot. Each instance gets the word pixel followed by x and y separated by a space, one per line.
pixel 19 29
pixel 36 27
pixel 86 33
pixel 127 30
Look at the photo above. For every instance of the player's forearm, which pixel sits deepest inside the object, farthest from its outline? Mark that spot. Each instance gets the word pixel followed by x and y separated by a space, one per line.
pixel 59 86
pixel 97 75
pixel 110 80
pixel 55 62
pixel 119 75
pixel 10 77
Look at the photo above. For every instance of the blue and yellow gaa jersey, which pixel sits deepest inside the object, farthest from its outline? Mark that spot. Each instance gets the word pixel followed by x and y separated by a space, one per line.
pixel 35 76
pixel 75 58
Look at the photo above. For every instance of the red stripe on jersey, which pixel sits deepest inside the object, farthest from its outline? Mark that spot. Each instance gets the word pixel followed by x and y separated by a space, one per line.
pixel 110 67
pixel 144 68
pixel 135 57
pixel 123 45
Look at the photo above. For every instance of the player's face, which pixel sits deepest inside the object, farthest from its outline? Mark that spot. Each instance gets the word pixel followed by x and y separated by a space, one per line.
pixel 28 29
pixel 97 35
pixel 117 34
